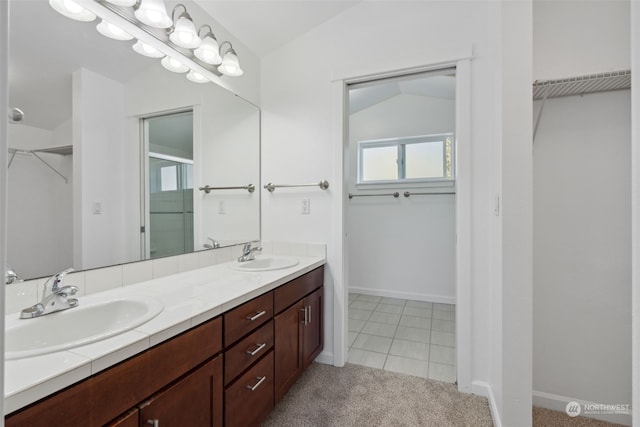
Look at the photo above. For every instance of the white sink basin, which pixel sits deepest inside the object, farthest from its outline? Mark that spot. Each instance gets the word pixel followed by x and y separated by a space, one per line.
pixel 87 323
pixel 266 263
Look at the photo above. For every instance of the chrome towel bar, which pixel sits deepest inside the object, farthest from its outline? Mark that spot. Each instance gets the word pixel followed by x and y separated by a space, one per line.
pixel 207 189
pixel 324 184
pixel 396 195
pixel 409 194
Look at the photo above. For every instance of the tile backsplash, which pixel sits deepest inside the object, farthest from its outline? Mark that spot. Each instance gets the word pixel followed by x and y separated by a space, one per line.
pixel 24 294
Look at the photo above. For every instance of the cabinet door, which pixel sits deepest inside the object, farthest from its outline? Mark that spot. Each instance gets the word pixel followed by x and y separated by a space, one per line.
pixel 249 400
pixel 312 339
pixel 288 345
pixel 195 400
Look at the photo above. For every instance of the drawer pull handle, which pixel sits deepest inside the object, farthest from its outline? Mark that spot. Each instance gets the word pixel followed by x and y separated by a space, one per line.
pixel 254 352
pixel 256 385
pixel 154 423
pixel 304 320
pixel 309 309
pixel 258 314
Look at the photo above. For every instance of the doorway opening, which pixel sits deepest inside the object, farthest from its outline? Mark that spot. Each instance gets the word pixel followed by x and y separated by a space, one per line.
pixel 167 223
pixel 400 248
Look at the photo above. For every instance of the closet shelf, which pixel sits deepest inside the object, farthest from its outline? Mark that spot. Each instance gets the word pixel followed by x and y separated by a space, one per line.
pixel 581 85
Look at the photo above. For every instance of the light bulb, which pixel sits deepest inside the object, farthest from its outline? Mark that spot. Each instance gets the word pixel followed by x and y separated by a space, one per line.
pixel 147 50
pixel 196 77
pixel 230 65
pixel 208 51
pixel 174 65
pixel 73 10
pixel 153 13
pixel 107 29
pixel 184 34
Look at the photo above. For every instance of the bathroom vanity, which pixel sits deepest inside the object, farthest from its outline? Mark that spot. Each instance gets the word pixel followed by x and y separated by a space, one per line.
pixel 228 370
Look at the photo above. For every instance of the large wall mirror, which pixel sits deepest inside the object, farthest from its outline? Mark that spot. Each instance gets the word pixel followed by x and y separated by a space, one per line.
pixel 106 165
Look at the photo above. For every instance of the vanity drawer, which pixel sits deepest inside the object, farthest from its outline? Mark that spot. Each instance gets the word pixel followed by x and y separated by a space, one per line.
pixel 295 290
pixel 249 400
pixel 248 351
pixel 247 317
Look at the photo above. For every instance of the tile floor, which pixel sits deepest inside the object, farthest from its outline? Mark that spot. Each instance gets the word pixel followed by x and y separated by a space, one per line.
pixel 411 337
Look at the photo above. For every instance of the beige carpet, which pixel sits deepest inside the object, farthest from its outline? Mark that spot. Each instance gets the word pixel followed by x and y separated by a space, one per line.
pixel 548 418
pixel 360 396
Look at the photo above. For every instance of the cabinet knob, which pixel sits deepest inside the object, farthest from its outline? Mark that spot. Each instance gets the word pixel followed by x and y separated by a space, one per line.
pixel 154 423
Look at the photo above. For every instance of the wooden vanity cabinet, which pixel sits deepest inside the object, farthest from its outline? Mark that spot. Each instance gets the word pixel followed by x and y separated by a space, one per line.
pixel 194 400
pixel 248 376
pixel 104 397
pixel 298 328
pixel 228 371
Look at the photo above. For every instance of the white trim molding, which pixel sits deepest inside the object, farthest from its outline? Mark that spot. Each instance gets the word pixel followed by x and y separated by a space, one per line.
pixel 482 388
pixel 559 403
pixel 390 293
pixel 458 56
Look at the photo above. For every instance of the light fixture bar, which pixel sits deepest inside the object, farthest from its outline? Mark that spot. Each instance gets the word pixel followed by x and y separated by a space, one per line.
pixel 119 17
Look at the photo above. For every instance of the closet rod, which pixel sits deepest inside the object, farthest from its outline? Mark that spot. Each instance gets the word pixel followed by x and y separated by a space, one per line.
pixel 409 194
pixel 396 195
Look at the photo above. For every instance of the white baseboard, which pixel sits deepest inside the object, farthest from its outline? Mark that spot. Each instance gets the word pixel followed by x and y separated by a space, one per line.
pixel 325 358
pixel 484 389
pixel 403 295
pixel 559 403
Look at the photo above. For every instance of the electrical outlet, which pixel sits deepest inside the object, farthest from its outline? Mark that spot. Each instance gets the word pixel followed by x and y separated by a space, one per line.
pixel 305 206
pixel 97 208
pixel 221 207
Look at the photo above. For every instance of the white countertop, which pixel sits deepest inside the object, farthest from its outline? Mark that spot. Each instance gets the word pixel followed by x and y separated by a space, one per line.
pixel 190 298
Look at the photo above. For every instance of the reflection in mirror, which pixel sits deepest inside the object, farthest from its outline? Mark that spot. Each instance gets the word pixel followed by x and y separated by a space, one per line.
pixel 169 206
pixel 78 190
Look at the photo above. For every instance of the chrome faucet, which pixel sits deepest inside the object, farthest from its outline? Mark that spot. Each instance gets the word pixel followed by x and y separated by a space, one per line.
pixel 213 245
pixel 55 297
pixel 248 253
pixel 11 276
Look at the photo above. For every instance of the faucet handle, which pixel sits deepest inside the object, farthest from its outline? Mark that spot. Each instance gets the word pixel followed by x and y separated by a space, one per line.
pixel 51 285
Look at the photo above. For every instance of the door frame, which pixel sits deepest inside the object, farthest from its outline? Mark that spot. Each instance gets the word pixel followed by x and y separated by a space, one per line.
pixel 460 58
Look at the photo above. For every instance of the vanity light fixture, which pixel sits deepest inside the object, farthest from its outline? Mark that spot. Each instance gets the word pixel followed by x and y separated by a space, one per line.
pixel 230 65
pixel 174 65
pixel 184 32
pixel 73 10
pixel 153 13
pixel 107 29
pixel 208 51
pixel 196 77
pixel 128 19
pixel 147 50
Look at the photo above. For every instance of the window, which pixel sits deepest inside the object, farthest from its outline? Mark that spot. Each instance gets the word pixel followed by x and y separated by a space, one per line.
pixel 411 159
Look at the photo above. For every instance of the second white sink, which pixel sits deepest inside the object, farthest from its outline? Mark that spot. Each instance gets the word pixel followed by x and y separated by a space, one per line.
pixel 266 263
pixel 87 323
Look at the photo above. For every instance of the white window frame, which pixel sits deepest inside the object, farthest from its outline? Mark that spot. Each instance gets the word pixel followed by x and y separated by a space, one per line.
pixel 401 143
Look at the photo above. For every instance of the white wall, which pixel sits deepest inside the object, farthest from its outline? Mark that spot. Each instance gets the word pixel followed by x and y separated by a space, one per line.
pixel 576 38
pixel 582 264
pixel 98 144
pixel 635 206
pixel 414 236
pixel 39 203
pixel 226 153
pixel 299 109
